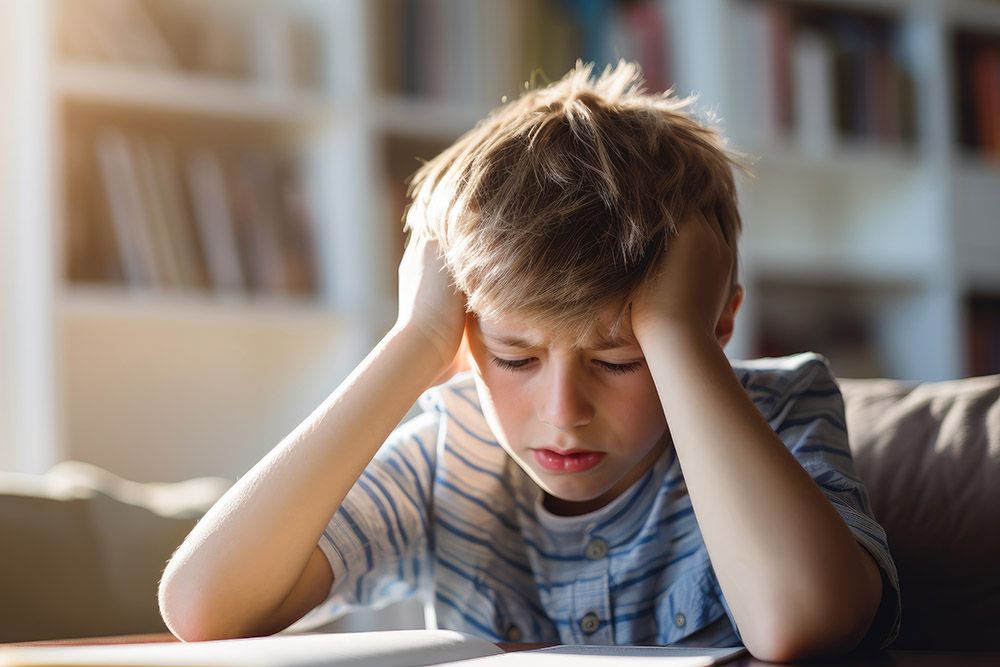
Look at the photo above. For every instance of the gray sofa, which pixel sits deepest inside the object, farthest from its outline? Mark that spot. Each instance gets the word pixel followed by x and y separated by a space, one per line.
pixel 930 457
pixel 83 550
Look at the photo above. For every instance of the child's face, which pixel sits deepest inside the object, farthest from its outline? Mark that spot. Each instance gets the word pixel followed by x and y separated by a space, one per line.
pixel 583 423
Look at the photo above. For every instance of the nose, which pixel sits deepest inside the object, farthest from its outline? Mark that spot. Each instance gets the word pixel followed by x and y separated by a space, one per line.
pixel 565 403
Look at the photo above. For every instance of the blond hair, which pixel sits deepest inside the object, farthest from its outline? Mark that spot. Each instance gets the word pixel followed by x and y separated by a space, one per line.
pixel 559 204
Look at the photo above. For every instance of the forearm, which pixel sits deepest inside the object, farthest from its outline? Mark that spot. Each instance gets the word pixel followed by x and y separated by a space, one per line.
pixel 242 559
pixel 788 565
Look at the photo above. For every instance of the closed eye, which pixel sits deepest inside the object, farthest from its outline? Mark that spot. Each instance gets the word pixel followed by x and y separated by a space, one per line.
pixel 510 364
pixel 615 369
pixel 621 369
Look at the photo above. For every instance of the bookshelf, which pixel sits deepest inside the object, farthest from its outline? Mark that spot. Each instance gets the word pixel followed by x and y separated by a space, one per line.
pixel 869 230
pixel 184 304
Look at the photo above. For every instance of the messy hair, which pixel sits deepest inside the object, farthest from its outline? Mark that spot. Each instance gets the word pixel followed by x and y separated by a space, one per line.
pixel 560 203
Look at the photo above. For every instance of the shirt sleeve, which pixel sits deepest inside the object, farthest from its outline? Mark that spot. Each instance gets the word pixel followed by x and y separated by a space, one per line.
pixel 377 542
pixel 808 415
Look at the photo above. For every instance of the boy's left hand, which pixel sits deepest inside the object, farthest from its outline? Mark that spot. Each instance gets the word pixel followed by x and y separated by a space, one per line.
pixel 691 286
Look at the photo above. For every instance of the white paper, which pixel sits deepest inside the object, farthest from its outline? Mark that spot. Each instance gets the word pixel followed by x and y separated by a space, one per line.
pixel 610 655
pixel 398 648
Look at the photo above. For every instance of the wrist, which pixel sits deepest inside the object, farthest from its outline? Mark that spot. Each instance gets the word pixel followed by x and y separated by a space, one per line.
pixel 665 329
pixel 431 349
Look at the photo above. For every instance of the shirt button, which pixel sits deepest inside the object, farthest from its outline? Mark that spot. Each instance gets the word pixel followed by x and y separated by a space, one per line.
pixel 680 620
pixel 514 634
pixel 597 549
pixel 590 623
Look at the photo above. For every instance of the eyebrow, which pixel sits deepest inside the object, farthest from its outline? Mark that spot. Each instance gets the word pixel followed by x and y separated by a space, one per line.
pixel 601 345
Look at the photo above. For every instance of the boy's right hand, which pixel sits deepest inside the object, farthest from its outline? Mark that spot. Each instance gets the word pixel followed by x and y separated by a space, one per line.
pixel 430 306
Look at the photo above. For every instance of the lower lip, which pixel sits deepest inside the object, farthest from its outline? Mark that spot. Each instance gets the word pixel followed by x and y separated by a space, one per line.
pixel 556 462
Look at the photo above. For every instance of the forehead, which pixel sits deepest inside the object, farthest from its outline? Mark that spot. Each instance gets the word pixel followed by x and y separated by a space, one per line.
pixel 514 330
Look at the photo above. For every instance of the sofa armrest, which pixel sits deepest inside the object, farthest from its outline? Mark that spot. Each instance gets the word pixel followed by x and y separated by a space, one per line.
pixel 84 550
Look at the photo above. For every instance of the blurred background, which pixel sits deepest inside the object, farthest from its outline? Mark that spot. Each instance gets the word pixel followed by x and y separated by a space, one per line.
pixel 200 200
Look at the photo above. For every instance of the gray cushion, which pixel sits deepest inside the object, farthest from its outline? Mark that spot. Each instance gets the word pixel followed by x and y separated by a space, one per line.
pixel 930 457
pixel 83 550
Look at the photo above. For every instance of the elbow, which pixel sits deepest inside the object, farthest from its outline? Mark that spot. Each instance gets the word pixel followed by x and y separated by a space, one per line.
pixel 802 638
pixel 792 649
pixel 188 614
pixel 827 623
pixel 178 612
pixel 774 642
pixel 782 649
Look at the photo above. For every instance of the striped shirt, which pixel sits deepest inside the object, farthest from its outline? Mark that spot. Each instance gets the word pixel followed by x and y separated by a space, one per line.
pixel 443 511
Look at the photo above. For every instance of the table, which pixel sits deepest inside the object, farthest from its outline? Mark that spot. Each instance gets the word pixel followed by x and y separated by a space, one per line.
pixel 881 659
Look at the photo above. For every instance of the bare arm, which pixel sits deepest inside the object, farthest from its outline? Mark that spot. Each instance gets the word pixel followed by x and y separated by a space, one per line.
pixel 798 582
pixel 252 566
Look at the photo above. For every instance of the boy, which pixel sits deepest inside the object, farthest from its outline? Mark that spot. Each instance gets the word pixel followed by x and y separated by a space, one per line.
pixel 603 473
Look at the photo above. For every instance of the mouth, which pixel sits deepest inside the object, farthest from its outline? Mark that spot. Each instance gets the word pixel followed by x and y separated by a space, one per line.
pixel 574 460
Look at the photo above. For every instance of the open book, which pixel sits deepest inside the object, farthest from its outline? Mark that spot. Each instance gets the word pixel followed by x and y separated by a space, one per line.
pixel 398 648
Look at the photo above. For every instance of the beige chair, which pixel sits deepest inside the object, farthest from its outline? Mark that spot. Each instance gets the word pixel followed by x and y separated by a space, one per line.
pixel 83 550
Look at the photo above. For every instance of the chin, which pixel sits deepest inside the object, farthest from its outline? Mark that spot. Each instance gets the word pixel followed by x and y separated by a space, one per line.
pixel 573 490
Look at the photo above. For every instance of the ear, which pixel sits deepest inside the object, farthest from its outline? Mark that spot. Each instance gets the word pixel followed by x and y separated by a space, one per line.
pixel 727 321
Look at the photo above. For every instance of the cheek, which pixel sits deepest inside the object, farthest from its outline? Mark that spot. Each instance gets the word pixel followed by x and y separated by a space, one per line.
pixel 637 410
pixel 503 401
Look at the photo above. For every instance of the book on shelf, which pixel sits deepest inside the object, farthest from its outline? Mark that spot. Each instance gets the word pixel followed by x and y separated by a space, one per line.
pixel 306 56
pixel 128 213
pixel 120 31
pixel 977 82
pixel 159 222
pixel 256 218
pixel 874 88
pixel 476 52
pixel 638 31
pixel 812 82
pixel 287 48
pixel 986 79
pixel 298 239
pixel 273 45
pixel 984 335
pixel 553 37
pixel 214 220
pixel 837 321
pixel 402 157
pixel 755 75
pixel 178 225
pixel 232 221
pixel 815 75
pixel 91 251
pixel 398 648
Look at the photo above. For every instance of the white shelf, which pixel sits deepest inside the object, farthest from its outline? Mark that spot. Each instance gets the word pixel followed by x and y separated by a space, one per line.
pixel 861 5
pixel 208 309
pixel 846 159
pixel 976 185
pixel 970 163
pixel 427 119
pixel 808 264
pixel 178 92
pixel 973 14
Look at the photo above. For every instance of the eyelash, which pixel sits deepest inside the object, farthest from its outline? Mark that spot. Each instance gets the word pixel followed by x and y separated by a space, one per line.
pixel 614 369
